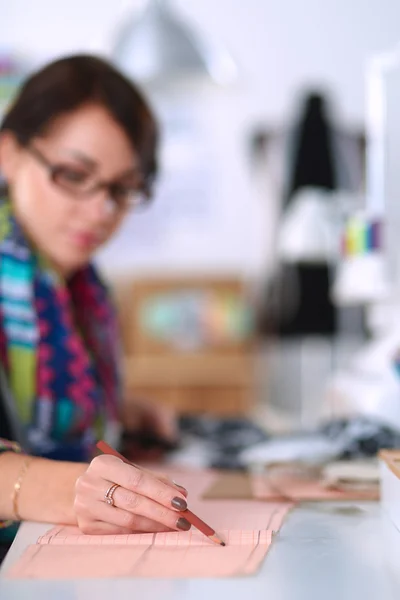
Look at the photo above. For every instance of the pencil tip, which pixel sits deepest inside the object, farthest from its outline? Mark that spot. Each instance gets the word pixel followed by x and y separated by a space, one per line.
pixel 214 538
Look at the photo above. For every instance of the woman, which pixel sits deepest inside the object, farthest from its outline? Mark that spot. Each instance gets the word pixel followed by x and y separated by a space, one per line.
pixel 77 153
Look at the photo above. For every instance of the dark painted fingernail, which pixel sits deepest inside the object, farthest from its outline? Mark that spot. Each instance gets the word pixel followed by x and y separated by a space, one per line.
pixel 184 490
pixel 179 503
pixel 183 524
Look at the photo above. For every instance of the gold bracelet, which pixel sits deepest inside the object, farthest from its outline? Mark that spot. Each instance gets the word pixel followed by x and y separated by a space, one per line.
pixel 17 488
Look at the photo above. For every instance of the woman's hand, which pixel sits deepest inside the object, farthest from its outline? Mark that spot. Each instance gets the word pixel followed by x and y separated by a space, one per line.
pixel 152 417
pixel 143 502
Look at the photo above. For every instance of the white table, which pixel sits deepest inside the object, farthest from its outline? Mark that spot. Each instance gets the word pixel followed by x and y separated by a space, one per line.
pixel 335 551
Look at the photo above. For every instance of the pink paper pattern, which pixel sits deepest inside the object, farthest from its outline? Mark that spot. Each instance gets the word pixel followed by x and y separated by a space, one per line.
pixel 247 527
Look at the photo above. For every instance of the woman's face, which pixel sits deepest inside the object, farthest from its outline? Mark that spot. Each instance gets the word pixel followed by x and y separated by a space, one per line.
pixel 53 185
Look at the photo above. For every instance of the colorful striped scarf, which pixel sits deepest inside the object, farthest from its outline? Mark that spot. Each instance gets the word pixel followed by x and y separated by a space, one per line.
pixel 58 342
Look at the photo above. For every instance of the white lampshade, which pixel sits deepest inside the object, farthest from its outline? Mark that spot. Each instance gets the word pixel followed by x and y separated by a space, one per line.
pixel 160 46
pixel 309 229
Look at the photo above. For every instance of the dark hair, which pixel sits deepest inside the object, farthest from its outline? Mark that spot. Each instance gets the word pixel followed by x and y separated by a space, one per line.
pixel 71 82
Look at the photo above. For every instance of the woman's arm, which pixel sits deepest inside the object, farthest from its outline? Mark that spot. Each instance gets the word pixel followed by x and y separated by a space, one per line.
pixel 47 489
pixel 77 493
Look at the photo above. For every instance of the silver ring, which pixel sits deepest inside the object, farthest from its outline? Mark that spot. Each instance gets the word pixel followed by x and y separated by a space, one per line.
pixel 108 496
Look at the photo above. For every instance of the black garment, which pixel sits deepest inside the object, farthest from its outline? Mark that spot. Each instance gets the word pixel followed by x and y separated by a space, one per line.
pixel 298 298
pixel 313 163
pixel 298 302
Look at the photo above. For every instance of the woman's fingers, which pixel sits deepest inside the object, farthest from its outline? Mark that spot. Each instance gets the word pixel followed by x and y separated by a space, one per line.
pixel 135 505
pixel 157 475
pixel 155 418
pixel 142 502
pixel 141 482
pixel 121 520
pixel 165 479
pixel 127 520
pixel 92 510
pixel 164 422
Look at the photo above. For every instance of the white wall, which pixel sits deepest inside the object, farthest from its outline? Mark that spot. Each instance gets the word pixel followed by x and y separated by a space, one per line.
pixel 279 46
pixel 282 43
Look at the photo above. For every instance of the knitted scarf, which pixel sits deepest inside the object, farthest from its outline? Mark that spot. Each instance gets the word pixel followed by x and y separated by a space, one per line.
pixel 58 343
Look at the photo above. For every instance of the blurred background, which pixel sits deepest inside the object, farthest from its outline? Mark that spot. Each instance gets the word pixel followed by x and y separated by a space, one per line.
pixel 232 296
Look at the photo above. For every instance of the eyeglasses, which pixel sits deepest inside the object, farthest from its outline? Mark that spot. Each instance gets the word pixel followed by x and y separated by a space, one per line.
pixel 81 183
